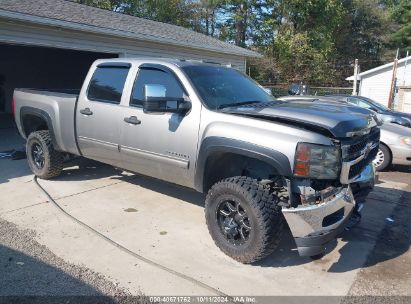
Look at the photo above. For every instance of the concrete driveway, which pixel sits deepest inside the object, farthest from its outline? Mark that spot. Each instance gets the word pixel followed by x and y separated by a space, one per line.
pixel 155 237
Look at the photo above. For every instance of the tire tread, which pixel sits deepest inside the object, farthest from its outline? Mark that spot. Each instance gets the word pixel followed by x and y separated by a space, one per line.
pixel 269 216
pixel 54 158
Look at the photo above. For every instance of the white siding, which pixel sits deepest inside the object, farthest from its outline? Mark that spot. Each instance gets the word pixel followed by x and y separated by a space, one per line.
pixel 19 33
pixel 406 102
pixel 377 85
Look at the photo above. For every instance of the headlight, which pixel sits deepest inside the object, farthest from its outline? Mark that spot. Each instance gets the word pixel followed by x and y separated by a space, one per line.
pixel 405 140
pixel 317 161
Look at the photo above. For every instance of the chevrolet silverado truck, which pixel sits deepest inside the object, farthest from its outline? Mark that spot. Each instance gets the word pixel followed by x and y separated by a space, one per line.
pixel 263 163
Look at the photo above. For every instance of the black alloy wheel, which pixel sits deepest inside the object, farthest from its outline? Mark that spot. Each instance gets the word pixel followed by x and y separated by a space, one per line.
pixel 234 222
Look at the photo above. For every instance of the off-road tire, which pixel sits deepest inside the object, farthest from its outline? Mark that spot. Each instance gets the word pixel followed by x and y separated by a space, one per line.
pixel 53 160
pixel 387 158
pixel 261 205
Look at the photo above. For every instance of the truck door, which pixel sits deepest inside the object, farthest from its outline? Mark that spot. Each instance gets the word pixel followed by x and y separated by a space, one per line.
pixel 162 145
pixel 98 113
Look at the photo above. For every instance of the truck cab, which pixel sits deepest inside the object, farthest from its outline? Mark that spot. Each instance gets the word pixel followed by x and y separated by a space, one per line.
pixel 263 163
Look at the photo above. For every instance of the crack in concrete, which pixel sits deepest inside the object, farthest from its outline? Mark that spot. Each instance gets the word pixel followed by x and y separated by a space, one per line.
pixel 65 196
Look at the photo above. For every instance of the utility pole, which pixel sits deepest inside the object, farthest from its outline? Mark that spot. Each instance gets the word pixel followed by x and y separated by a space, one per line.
pixel 393 81
pixel 405 69
pixel 354 88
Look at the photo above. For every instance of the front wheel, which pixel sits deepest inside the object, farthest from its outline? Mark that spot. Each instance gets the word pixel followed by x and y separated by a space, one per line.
pixel 244 218
pixel 383 158
pixel 44 161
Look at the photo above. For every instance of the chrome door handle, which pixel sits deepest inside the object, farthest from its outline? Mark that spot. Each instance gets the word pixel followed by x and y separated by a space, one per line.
pixel 86 111
pixel 132 120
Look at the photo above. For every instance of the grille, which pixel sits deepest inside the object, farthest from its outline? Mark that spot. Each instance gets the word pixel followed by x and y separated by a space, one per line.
pixel 352 148
pixel 358 167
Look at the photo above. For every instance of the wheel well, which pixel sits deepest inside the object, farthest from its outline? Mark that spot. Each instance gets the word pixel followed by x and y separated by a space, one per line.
pixel 221 165
pixel 388 148
pixel 32 123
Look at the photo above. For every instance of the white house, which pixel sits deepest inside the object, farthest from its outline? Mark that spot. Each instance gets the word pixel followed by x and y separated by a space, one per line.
pixel 52 43
pixel 376 84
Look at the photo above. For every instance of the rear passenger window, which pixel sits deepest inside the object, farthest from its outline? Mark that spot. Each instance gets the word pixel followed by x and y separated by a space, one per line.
pixel 107 84
pixel 152 76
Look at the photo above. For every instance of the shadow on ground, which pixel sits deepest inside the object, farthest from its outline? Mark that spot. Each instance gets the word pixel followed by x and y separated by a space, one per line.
pixel 399 168
pixel 359 241
pixel 385 224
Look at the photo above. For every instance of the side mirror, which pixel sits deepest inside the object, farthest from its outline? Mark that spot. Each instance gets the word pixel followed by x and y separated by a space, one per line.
pixel 166 105
pixel 156 101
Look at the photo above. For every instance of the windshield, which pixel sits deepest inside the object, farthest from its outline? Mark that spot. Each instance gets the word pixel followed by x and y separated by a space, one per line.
pixel 221 87
pixel 376 104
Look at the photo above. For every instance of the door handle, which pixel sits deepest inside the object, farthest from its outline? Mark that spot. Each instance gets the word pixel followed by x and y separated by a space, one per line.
pixel 86 111
pixel 132 120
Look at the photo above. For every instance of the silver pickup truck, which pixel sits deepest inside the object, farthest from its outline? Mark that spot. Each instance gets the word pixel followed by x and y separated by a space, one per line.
pixel 264 163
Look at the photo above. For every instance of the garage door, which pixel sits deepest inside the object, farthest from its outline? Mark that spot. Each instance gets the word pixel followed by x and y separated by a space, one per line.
pixel 41 68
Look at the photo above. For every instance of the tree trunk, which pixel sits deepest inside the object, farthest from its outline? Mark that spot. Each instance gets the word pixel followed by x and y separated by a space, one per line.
pixel 241 24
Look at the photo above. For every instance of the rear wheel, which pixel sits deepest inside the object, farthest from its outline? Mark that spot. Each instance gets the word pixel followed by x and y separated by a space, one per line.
pixel 383 158
pixel 44 161
pixel 244 219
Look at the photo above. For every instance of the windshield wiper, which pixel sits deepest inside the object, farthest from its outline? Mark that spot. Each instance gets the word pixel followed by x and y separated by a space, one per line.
pixel 235 104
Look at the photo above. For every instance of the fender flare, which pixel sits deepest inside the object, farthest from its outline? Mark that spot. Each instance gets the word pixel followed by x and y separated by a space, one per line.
pixel 212 145
pixel 25 110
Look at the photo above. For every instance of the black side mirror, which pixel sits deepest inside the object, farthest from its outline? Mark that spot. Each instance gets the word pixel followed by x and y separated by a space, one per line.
pixel 166 105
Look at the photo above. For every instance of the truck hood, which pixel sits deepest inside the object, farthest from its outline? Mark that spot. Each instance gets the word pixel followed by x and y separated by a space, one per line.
pixel 340 120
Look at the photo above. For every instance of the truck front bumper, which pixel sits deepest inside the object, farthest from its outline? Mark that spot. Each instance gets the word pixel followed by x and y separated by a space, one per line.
pixel 316 225
pixel 363 184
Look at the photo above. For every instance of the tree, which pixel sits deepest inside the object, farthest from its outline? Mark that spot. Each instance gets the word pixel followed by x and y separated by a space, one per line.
pixel 207 15
pixel 298 34
pixel 314 41
pixel 113 5
pixel 400 15
pixel 178 12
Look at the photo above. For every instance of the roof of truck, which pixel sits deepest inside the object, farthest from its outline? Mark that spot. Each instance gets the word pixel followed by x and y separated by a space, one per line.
pixel 68 14
pixel 161 60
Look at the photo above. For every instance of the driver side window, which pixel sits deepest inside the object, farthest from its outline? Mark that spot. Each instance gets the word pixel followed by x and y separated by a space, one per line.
pixel 154 78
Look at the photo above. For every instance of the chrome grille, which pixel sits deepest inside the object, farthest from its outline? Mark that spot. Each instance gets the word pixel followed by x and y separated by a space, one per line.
pixel 358 167
pixel 352 148
pixel 358 153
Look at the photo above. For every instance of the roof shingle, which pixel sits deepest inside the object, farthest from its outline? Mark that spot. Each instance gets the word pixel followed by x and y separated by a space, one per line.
pixel 72 12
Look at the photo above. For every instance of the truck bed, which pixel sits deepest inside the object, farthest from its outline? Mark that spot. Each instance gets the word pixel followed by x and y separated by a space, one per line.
pixel 58 107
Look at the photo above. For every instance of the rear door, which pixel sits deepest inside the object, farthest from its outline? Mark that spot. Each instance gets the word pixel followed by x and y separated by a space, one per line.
pixel 99 115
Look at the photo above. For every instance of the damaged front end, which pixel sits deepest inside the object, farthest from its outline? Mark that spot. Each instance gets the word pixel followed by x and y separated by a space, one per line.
pixel 321 199
pixel 314 225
